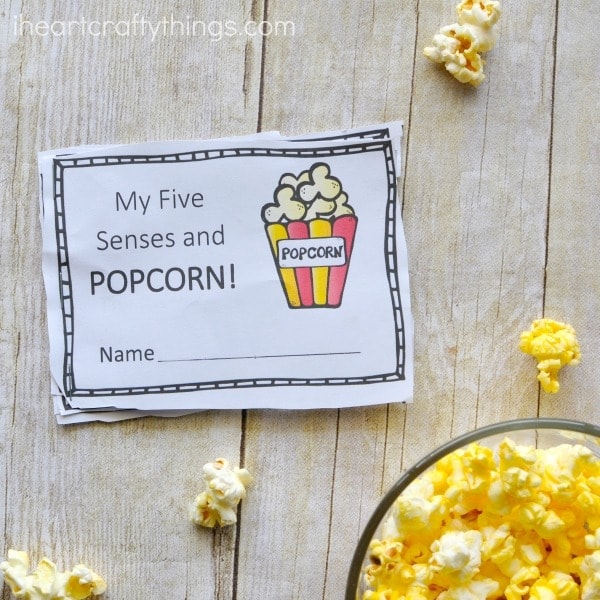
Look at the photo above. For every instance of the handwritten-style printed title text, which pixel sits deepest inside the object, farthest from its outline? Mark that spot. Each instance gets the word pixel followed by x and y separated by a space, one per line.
pixel 153 279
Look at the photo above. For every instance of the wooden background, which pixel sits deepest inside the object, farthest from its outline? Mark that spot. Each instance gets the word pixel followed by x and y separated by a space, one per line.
pixel 501 211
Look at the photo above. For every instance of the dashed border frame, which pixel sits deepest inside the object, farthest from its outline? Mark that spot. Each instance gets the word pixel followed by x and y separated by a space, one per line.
pixel 60 165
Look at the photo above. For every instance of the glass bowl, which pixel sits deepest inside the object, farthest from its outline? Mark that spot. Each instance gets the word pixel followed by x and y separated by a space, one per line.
pixel 540 433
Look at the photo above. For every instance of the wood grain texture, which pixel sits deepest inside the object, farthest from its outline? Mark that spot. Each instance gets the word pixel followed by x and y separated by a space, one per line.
pixel 112 497
pixel 572 290
pixel 476 189
pixel 499 195
pixel 330 76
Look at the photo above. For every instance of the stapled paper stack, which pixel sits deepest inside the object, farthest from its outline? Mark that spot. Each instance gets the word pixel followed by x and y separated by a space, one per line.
pixel 250 272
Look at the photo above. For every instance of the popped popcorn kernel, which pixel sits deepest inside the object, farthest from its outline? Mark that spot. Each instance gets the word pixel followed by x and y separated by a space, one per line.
pixel 592 540
pixel 553 345
pixel 226 487
pixel 46 582
pixel 485 14
pixel 83 582
pixel 555 586
pixel 459 46
pixel 522 523
pixel 546 523
pixel 521 581
pixel 457 555
pixel 383 594
pixel 456 47
pixel 589 571
pixel 499 546
pixel 388 567
pixel 474 590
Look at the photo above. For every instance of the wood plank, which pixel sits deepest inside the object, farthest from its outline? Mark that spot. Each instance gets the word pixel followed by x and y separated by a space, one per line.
pixel 475 214
pixel 284 525
pixel 116 498
pixel 369 440
pixel 113 496
pixel 356 69
pixel 573 284
pixel 9 336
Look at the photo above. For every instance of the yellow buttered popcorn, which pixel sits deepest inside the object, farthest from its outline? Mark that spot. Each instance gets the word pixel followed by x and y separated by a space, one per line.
pixel 556 585
pixel 553 344
pixel 459 46
pixel 225 488
pixel 483 16
pixel 520 523
pixel 46 582
pixel 456 47
pixel 589 570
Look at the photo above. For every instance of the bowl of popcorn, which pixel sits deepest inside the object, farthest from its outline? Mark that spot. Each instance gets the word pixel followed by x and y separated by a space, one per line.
pixel 510 511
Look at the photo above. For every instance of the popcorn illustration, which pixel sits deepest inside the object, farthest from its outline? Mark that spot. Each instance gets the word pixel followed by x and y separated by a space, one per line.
pixel 311 229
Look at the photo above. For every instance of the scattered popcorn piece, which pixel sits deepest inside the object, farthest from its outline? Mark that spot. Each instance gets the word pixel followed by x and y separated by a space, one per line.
pixel 225 488
pixel 83 582
pixel 553 345
pixel 458 46
pixel 519 524
pixel 47 582
pixel 483 16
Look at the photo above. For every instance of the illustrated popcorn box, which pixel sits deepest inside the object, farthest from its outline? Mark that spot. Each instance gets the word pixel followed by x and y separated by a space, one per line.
pixel 313 259
pixel 311 231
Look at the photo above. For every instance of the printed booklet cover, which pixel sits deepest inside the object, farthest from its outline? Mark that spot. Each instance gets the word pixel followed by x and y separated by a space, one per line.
pixel 250 272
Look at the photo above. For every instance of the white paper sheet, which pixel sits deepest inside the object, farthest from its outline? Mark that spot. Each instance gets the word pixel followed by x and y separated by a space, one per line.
pixel 236 273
